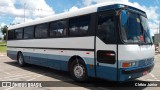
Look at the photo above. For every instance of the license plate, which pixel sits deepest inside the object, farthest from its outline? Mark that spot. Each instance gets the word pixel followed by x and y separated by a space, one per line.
pixel 145 73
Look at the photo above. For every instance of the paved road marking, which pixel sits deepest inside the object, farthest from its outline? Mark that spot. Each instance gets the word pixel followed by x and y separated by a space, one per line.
pixel 17 76
pixel 36 77
pixel 28 80
pixel 4 72
pixel 150 79
pixel 154 77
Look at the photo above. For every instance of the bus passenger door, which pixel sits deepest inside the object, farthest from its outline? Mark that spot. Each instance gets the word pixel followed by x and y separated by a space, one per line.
pixel 106 47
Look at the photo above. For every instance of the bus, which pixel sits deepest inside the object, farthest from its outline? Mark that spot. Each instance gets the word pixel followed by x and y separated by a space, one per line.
pixel 111 41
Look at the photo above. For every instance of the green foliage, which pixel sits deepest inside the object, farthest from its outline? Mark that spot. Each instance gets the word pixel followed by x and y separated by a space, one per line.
pixel 4 30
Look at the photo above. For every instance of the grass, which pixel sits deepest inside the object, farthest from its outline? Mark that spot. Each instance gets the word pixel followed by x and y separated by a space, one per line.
pixel 3 48
pixel 2 43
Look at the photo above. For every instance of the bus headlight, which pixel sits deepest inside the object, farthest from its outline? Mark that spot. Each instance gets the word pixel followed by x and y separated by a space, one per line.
pixel 128 64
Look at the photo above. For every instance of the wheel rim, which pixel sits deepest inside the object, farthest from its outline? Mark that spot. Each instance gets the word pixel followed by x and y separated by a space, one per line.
pixel 20 60
pixel 78 71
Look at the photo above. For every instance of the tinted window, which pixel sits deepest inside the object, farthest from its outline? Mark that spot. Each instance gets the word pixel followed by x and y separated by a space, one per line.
pixel 29 32
pixel 19 33
pixel 124 21
pixel 131 27
pixel 106 28
pixel 79 26
pixel 145 26
pixel 58 28
pixel 41 31
pixel 62 28
pixel 10 34
pixel 102 57
pixel 134 28
pixel 53 29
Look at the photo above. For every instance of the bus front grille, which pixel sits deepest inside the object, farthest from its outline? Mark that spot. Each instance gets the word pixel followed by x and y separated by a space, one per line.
pixel 145 62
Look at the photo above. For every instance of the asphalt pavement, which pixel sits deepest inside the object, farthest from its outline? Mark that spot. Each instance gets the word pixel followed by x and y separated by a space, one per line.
pixel 10 71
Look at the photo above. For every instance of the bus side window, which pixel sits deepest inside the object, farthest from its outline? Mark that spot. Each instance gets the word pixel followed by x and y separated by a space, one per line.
pixel 19 33
pixel 62 28
pixel 79 26
pixel 41 31
pixel 58 29
pixel 106 28
pixel 29 32
pixel 53 29
pixel 84 23
pixel 10 35
pixel 73 27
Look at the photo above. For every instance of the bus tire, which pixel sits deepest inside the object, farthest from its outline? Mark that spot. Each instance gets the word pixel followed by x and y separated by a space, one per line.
pixel 21 59
pixel 78 70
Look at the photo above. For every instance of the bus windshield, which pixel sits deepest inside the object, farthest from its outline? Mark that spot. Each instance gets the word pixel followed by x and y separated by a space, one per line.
pixel 134 28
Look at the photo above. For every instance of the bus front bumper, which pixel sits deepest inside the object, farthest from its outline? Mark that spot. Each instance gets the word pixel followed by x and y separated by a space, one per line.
pixel 129 74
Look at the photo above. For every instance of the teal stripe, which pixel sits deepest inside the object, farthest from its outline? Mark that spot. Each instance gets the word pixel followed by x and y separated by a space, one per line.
pixel 52 56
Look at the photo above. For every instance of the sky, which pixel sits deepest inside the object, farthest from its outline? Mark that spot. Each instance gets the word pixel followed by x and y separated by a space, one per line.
pixel 12 11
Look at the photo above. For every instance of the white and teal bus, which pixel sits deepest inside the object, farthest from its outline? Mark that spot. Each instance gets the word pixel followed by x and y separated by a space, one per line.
pixel 109 40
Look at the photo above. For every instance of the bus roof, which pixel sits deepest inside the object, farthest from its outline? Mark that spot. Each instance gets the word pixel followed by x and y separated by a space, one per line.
pixel 82 11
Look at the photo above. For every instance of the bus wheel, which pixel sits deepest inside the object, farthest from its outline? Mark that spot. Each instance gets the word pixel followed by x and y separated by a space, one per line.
pixel 78 70
pixel 21 60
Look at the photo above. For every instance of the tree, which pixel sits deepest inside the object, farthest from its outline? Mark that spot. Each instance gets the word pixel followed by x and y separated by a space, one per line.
pixel 4 30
